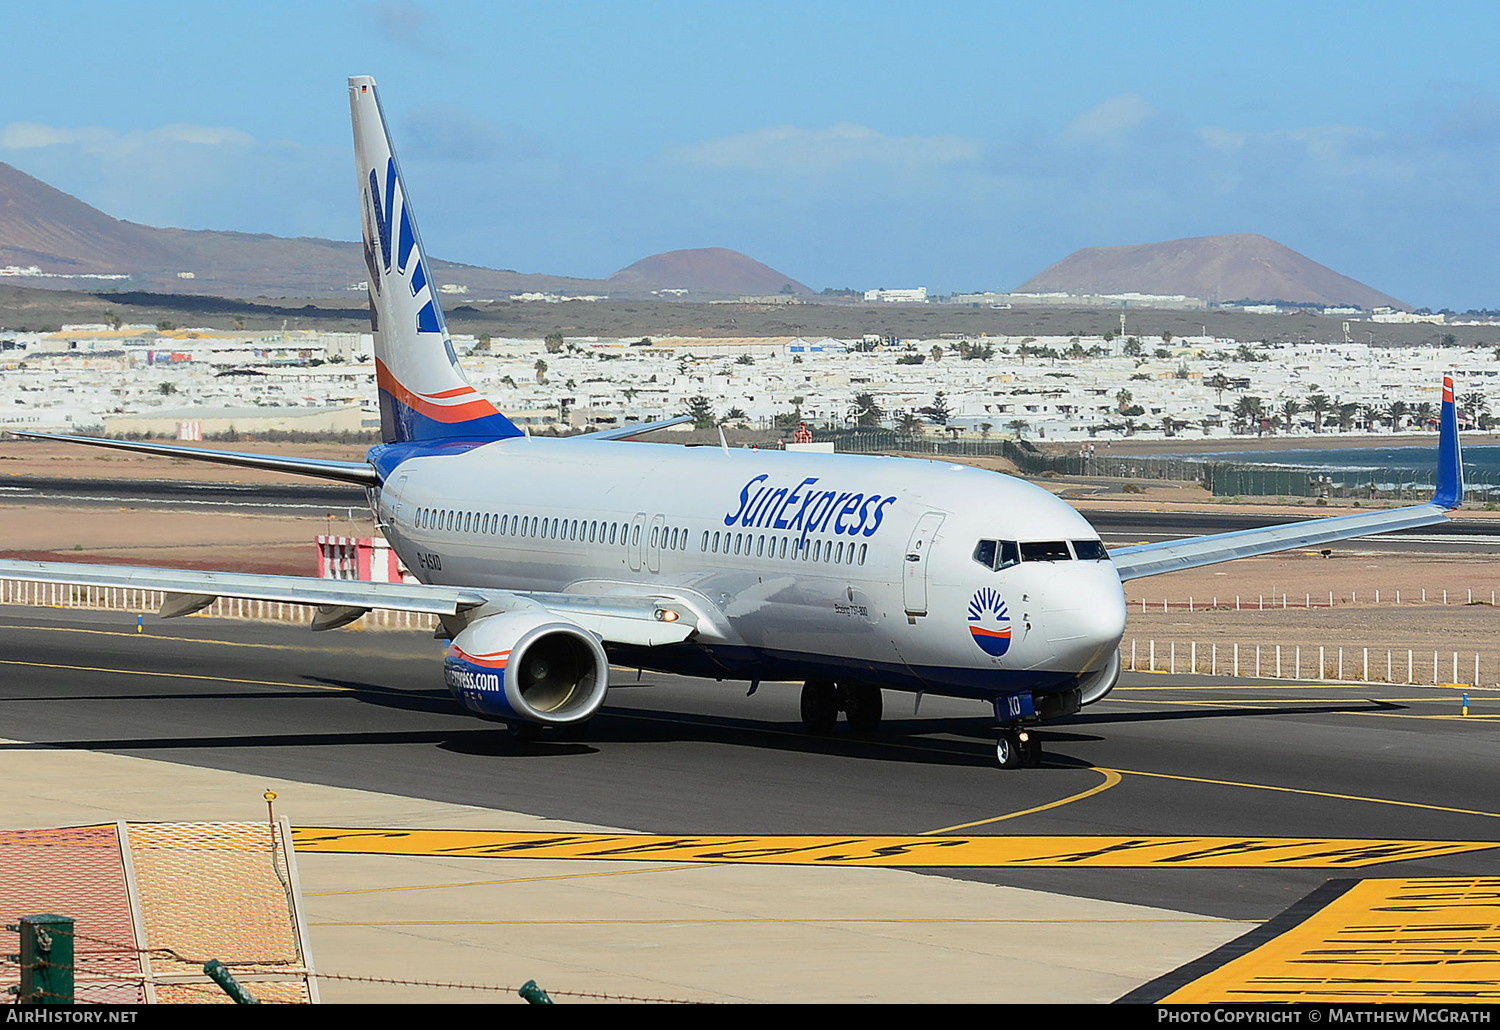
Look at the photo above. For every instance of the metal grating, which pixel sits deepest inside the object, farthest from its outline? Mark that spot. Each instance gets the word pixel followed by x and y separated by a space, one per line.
pixel 281 992
pixel 151 913
pixel 239 870
pixel 76 871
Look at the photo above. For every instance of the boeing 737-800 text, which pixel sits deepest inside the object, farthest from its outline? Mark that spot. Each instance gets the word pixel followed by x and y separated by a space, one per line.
pixel 546 560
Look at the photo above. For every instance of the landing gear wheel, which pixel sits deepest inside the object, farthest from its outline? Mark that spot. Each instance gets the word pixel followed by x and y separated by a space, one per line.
pixel 1031 751
pixel 864 705
pixel 1009 749
pixel 820 706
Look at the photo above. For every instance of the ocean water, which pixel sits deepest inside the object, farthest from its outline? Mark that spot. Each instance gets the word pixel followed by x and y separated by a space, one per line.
pixel 1394 471
pixel 1479 461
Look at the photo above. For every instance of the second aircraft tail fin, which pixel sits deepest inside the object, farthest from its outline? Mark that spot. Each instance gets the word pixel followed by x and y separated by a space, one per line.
pixel 424 394
pixel 1449 492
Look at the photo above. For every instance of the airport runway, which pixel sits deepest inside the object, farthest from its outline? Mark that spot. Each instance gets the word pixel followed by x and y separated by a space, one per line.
pixel 1156 768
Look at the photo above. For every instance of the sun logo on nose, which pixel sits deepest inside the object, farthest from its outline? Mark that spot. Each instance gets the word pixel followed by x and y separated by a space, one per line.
pixel 989 622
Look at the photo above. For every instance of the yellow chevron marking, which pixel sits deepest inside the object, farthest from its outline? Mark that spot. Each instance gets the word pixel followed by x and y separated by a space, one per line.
pixel 909 851
pixel 1421 942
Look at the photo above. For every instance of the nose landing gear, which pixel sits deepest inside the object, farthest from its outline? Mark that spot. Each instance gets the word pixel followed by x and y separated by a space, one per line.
pixel 1016 747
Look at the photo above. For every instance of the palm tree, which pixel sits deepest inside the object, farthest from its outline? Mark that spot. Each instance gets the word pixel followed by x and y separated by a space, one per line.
pixel 541 370
pixel 1219 382
pixel 867 412
pixel 1319 404
pixel 1247 410
pixel 1289 411
pixel 1395 413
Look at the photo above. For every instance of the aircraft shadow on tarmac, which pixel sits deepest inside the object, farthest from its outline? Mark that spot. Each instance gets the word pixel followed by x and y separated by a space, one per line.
pixel 1101 718
pixel 944 741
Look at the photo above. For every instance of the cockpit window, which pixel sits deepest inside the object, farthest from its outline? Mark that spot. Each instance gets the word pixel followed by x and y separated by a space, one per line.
pixel 1045 550
pixel 1090 550
pixel 996 554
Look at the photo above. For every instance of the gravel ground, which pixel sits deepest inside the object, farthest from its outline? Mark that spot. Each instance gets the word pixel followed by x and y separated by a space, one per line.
pixel 1355 621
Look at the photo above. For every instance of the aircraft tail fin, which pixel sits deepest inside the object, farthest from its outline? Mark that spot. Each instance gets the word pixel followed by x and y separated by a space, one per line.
pixel 424 394
pixel 1450 474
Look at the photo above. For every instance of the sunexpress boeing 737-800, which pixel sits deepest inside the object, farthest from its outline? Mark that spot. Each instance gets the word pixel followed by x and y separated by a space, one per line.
pixel 547 560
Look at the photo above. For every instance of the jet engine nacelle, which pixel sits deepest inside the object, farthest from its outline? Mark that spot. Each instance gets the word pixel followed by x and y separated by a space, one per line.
pixel 527 667
pixel 1101 681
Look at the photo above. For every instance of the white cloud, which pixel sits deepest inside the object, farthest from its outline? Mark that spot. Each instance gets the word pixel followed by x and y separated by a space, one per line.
pixel 788 149
pixel 92 139
pixel 1114 117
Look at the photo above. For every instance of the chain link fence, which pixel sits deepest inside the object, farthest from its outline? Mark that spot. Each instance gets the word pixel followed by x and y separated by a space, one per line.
pixel 1221 478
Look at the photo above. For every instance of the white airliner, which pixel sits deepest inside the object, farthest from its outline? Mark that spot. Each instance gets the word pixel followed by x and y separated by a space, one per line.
pixel 546 560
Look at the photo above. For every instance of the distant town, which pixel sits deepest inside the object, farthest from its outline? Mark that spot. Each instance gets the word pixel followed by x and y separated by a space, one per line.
pixel 169 381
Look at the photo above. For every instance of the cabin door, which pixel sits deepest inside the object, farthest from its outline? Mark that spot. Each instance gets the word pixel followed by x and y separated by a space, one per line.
pixel 914 568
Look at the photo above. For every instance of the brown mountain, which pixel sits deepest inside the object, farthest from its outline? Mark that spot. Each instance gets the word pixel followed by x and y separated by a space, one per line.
pixel 1241 266
pixel 60 234
pixel 707 270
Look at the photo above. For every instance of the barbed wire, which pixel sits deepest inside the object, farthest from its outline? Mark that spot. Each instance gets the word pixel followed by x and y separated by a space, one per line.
pixel 492 987
pixel 170 953
pixel 283 966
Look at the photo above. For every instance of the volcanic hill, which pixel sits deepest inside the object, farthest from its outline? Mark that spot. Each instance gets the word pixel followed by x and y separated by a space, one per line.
pixel 64 237
pixel 1236 267
pixel 707 270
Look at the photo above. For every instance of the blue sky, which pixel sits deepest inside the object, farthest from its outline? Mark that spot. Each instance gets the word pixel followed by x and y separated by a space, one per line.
pixel 960 146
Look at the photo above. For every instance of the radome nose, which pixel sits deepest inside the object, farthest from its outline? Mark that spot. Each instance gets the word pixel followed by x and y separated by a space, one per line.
pixel 1085 613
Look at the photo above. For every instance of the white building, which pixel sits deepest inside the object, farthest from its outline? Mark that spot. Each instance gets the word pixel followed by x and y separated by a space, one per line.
pixel 913 296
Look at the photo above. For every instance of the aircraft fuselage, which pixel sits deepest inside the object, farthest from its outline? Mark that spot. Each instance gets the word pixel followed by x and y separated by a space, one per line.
pixel 797 566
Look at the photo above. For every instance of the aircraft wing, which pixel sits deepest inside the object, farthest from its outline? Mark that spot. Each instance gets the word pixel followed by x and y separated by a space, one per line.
pixel 1193 552
pixel 1174 555
pixel 641 620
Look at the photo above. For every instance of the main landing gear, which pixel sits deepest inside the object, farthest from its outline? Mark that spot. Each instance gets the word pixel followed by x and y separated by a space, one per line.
pixel 823 700
pixel 1016 747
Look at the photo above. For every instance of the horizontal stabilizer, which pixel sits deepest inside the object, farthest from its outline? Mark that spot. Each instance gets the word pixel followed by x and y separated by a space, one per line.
pixel 639 429
pixel 322 468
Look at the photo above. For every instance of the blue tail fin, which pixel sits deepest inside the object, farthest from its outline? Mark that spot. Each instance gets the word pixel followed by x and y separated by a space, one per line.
pixel 1450 475
pixel 424 394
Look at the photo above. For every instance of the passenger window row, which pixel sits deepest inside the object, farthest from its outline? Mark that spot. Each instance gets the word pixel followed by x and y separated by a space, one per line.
pixel 671 538
pixel 782 548
pixel 538 527
pixel 1002 554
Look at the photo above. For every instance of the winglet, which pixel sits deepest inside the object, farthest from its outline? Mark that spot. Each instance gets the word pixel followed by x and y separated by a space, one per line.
pixel 1450 476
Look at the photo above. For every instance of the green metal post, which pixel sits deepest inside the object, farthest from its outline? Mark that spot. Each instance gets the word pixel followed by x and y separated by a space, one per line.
pixel 533 994
pixel 46 960
pixel 219 974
